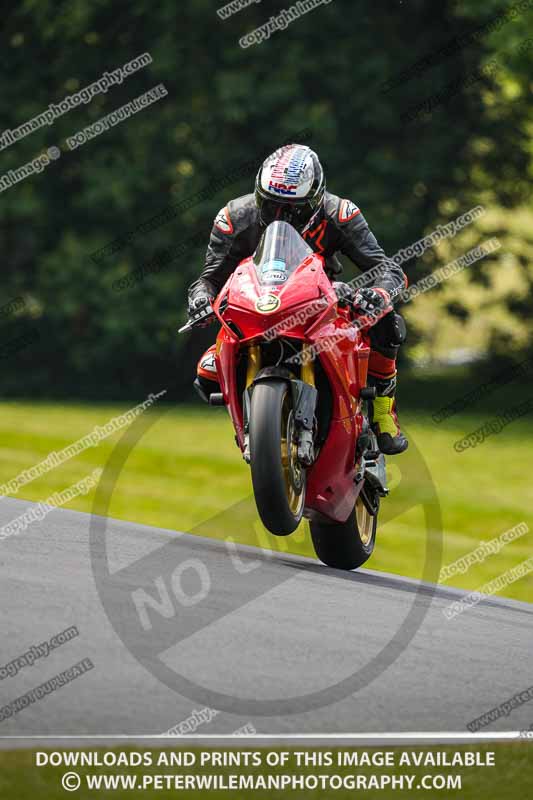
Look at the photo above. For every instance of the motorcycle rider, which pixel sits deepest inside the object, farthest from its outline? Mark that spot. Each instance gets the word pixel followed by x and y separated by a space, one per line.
pixel 290 186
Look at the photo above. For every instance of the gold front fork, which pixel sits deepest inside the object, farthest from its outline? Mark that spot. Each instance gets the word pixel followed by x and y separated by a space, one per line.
pixel 307 372
pixel 254 364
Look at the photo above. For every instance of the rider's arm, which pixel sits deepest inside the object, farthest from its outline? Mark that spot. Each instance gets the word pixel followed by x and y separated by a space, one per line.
pixel 357 241
pixel 224 252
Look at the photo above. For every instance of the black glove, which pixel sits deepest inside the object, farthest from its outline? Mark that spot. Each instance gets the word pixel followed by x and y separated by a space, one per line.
pixel 345 293
pixel 373 303
pixel 200 310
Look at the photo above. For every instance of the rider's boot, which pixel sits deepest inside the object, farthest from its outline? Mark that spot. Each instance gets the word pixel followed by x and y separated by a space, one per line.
pixel 383 416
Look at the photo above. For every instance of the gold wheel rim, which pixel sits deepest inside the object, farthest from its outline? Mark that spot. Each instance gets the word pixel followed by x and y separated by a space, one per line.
pixel 292 472
pixel 365 522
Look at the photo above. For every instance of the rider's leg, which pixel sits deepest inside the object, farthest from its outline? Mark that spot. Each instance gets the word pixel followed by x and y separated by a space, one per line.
pixel 206 382
pixel 385 338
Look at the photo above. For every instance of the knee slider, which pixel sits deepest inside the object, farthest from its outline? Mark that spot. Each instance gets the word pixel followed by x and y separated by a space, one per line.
pixel 388 334
pixel 398 329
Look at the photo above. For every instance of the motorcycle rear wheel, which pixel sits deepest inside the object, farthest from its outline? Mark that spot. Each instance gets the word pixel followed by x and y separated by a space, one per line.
pixel 278 479
pixel 346 545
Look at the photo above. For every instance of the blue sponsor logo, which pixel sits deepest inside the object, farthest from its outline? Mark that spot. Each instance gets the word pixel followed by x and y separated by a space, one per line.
pixel 275 265
pixel 274 271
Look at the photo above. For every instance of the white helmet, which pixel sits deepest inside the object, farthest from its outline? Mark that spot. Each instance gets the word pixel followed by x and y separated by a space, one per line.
pixel 290 186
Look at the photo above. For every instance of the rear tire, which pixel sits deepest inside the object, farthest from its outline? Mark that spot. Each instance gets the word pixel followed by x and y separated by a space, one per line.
pixel 278 480
pixel 346 545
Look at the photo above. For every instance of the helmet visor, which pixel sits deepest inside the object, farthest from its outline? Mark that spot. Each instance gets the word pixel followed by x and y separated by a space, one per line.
pixel 297 215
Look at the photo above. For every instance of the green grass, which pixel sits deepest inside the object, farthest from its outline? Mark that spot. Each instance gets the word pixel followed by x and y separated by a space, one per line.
pixel 186 473
pixel 509 778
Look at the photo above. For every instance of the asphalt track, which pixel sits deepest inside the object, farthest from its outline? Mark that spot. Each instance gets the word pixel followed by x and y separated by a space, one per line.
pixel 269 628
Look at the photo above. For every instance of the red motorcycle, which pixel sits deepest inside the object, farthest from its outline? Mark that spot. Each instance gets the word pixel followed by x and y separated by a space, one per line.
pixel 291 362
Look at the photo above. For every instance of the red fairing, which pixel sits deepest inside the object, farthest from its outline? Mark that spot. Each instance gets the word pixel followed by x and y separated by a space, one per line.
pixel 304 308
pixel 330 481
pixel 226 361
pixel 307 289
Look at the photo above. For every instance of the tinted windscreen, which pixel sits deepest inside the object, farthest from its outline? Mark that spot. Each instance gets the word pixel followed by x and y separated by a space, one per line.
pixel 280 251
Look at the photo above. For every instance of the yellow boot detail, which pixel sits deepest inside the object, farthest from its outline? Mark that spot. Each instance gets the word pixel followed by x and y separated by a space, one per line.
pixel 384 415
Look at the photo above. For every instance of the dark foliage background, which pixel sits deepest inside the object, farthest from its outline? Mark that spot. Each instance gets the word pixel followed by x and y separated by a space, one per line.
pixel 228 107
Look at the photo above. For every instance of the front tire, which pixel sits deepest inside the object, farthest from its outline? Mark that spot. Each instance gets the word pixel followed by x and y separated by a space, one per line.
pixel 278 479
pixel 346 545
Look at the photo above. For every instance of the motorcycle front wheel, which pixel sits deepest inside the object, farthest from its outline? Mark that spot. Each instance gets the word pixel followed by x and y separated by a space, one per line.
pixel 278 479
